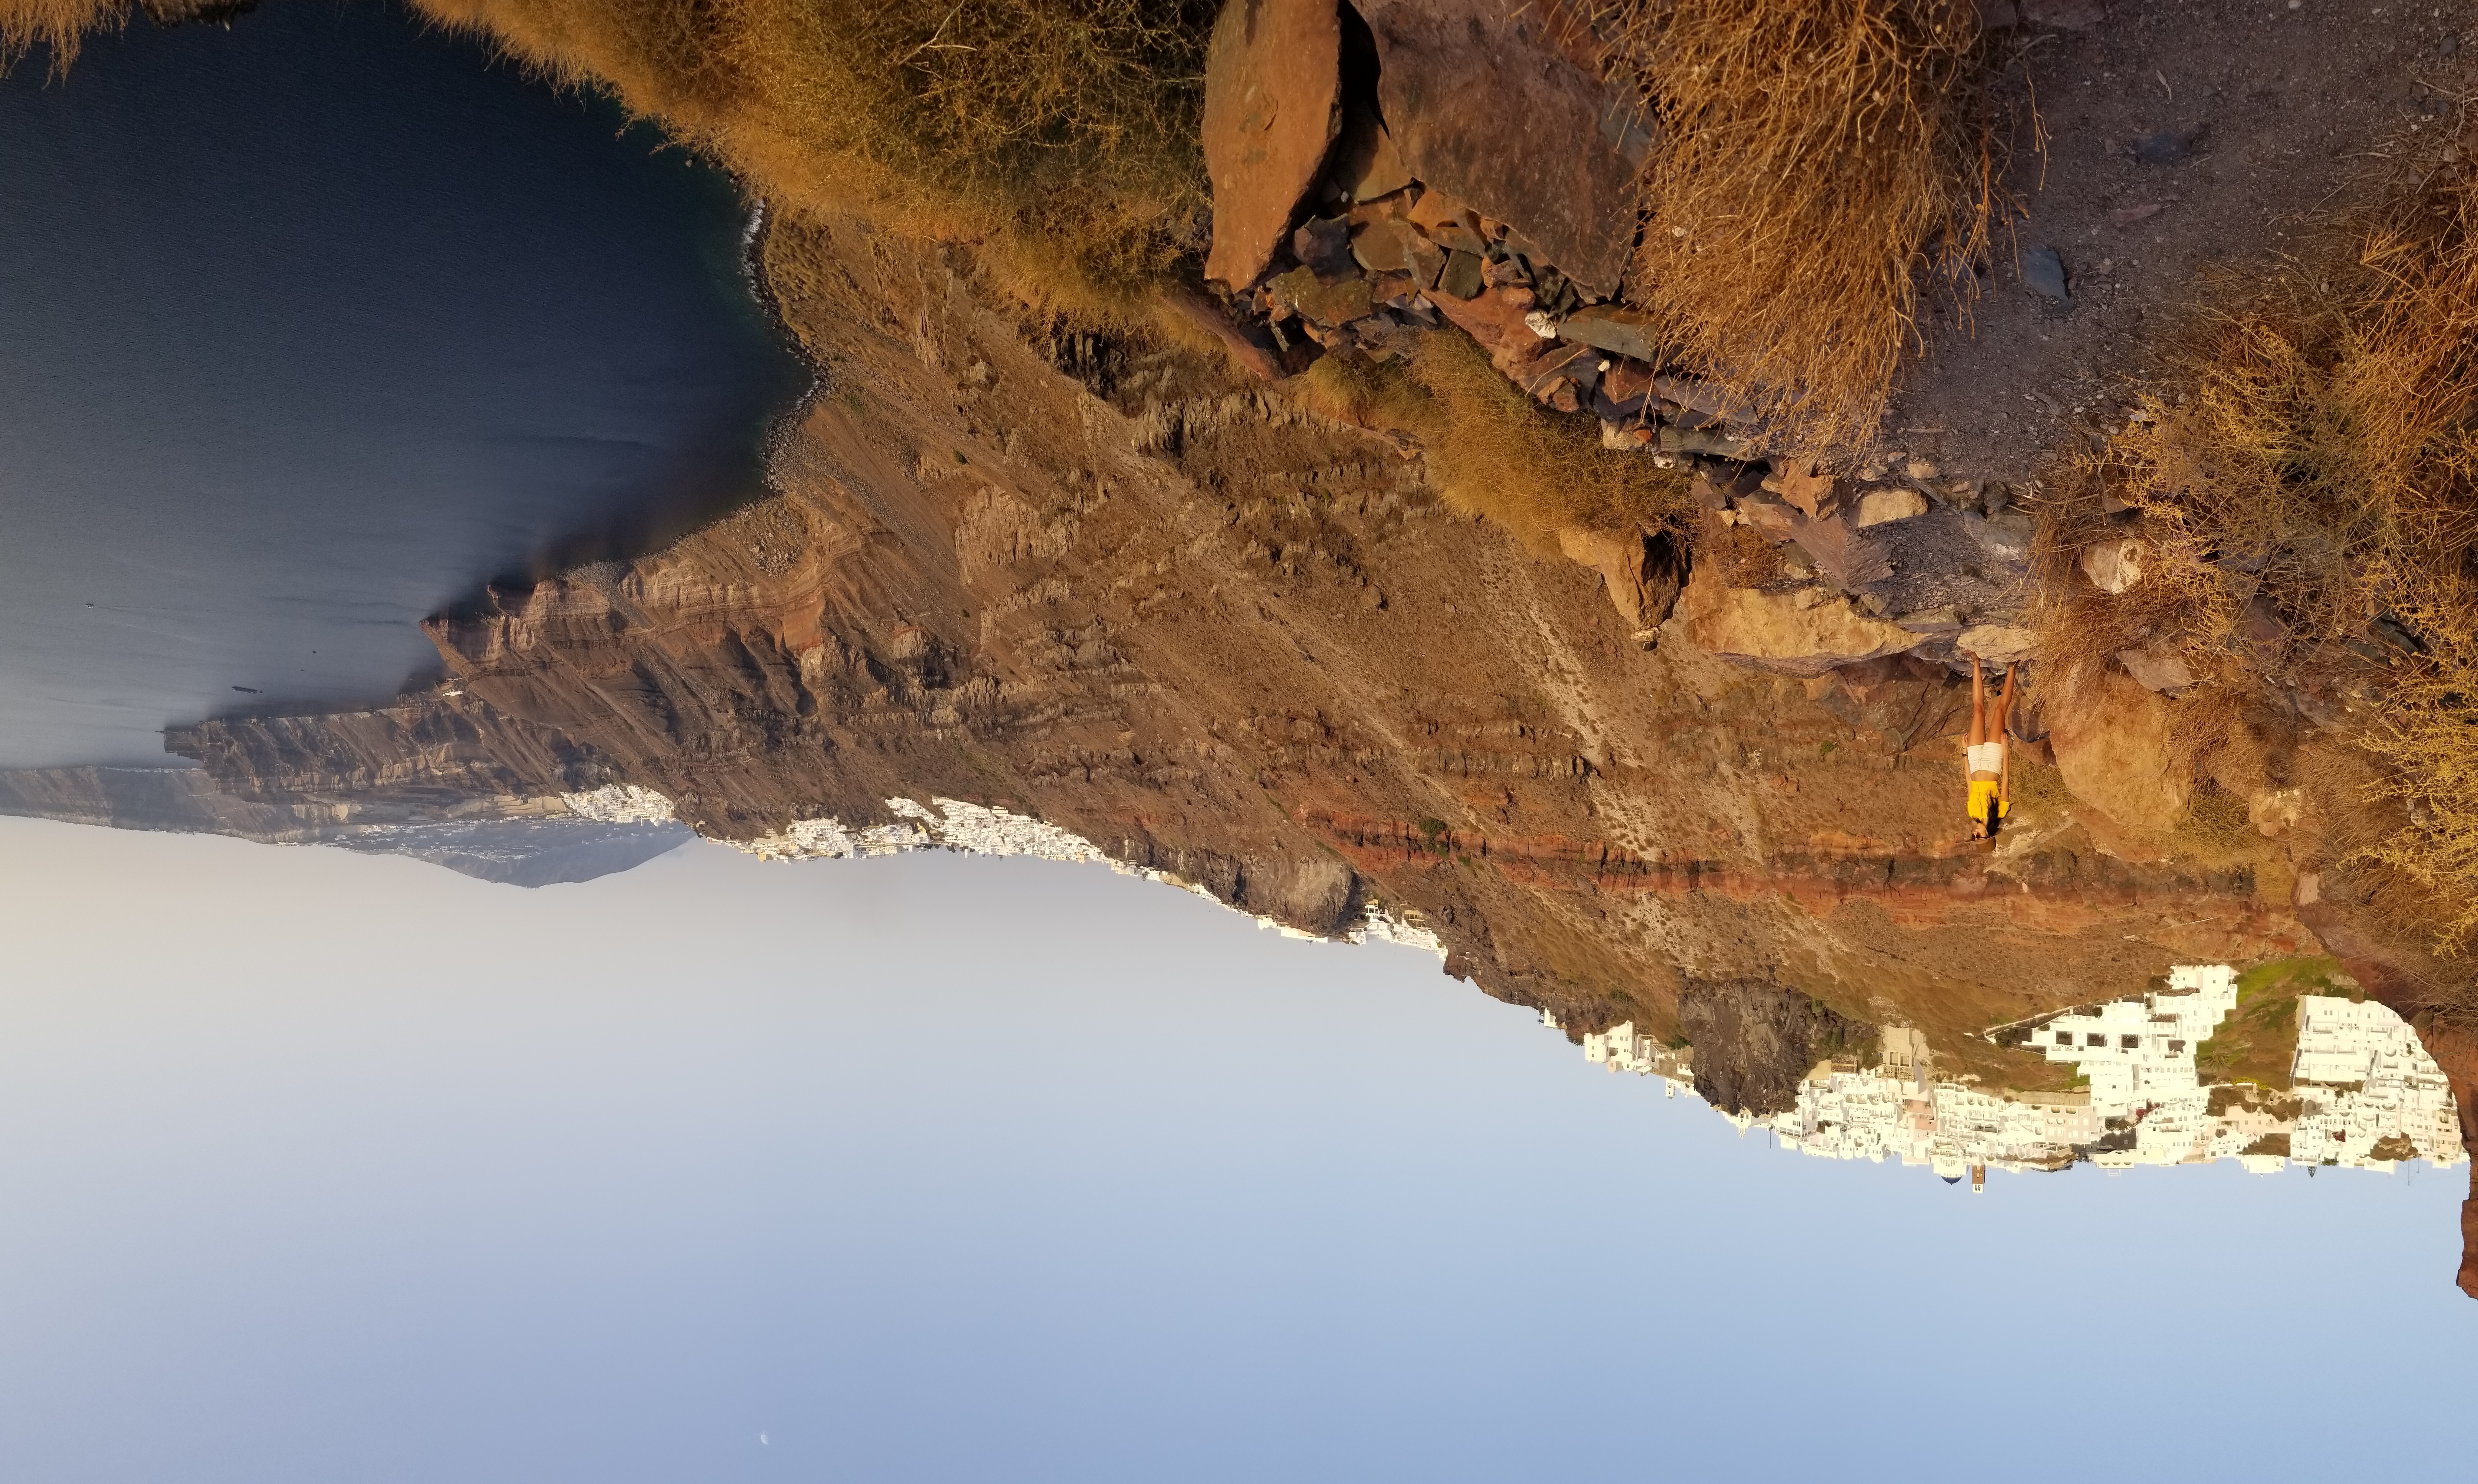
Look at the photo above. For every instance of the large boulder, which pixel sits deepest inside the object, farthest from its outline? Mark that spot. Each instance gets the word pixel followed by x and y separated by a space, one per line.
pixel 1272 94
pixel 1801 631
pixel 1998 643
pixel 1484 105
pixel 1640 572
pixel 2112 748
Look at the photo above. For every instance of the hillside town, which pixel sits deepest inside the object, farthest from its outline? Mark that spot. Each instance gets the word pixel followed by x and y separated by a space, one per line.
pixel 2362 1094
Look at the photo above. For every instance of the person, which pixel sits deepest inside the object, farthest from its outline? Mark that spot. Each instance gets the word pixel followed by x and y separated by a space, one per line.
pixel 1988 764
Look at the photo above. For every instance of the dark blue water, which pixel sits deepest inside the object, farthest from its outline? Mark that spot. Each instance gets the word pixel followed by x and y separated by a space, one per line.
pixel 310 326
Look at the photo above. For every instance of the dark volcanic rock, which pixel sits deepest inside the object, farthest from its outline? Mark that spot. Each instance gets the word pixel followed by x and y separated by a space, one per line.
pixel 1273 87
pixel 1755 1041
pixel 1483 104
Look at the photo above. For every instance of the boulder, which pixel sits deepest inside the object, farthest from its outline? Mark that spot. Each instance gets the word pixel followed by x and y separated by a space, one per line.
pixel 1815 492
pixel 2116 565
pixel 1888 504
pixel 1998 643
pixel 1640 572
pixel 1802 632
pixel 2159 666
pixel 1272 93
pixel 2112 748
pixel 1483 104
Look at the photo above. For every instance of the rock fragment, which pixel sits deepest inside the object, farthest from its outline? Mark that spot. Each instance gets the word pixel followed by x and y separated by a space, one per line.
pixel 1614 328
pixel 2044 273
pixel 1815 492
pixel 2116 565
pixel 1891 503
pixel 2158 665
pixel 1273 87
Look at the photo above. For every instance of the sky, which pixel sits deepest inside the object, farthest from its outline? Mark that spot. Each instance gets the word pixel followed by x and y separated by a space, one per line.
pixel 319 1166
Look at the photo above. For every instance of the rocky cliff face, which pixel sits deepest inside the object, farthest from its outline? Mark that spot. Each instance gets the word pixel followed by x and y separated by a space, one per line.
pixel 1755 1042
pixel 1226 638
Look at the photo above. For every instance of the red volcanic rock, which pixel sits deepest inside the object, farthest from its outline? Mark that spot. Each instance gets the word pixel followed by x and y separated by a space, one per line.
pixel 1483 104
pixel 1273 90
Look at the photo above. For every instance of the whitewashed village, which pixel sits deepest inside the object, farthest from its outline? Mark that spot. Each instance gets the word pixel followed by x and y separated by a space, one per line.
pixel 2364 1093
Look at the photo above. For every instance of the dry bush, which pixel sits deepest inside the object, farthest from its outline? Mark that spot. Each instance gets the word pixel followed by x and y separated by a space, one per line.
pixel 1819 159
pixel 1491 451
pixel 2317 481
pixel 55 25
pixel 1060 135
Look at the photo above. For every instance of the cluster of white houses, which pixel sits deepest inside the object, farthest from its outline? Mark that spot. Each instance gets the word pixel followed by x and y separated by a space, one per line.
pixel 2364 1093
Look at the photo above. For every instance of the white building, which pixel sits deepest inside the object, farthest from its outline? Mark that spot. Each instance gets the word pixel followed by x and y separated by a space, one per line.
pixel 2139 1053
pixel 2362 1084
pixel 2366 1083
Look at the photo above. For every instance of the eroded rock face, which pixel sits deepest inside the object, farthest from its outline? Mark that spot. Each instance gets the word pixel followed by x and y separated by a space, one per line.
pixel 1755 1042
pixel 2112 751
pixel 1273 87
pixel 1484 106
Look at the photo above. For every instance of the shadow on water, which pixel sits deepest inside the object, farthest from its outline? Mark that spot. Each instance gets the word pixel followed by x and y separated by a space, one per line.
pixel 309 328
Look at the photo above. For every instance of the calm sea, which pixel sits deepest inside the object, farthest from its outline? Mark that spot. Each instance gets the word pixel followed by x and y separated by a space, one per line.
pixel 310 327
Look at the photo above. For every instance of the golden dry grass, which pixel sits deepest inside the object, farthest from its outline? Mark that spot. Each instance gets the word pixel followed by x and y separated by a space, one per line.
pixel 2320 469
pixel 1058 135
pixel 1493 451
pixel 1820 160
pixel 55 25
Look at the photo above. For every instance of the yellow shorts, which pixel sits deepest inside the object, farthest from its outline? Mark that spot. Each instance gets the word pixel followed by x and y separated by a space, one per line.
pixel 1982 793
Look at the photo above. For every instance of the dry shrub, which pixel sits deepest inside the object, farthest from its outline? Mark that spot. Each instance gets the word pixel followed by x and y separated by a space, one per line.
pixel 1818 159
pixel 2217 829
pixel 1491 451
pixel 55 25
pixel 1060 135
pixel 2312 496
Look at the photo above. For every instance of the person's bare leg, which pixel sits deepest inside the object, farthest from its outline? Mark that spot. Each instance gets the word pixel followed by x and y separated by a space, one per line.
pixel 2004 714
pixel 1977 704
